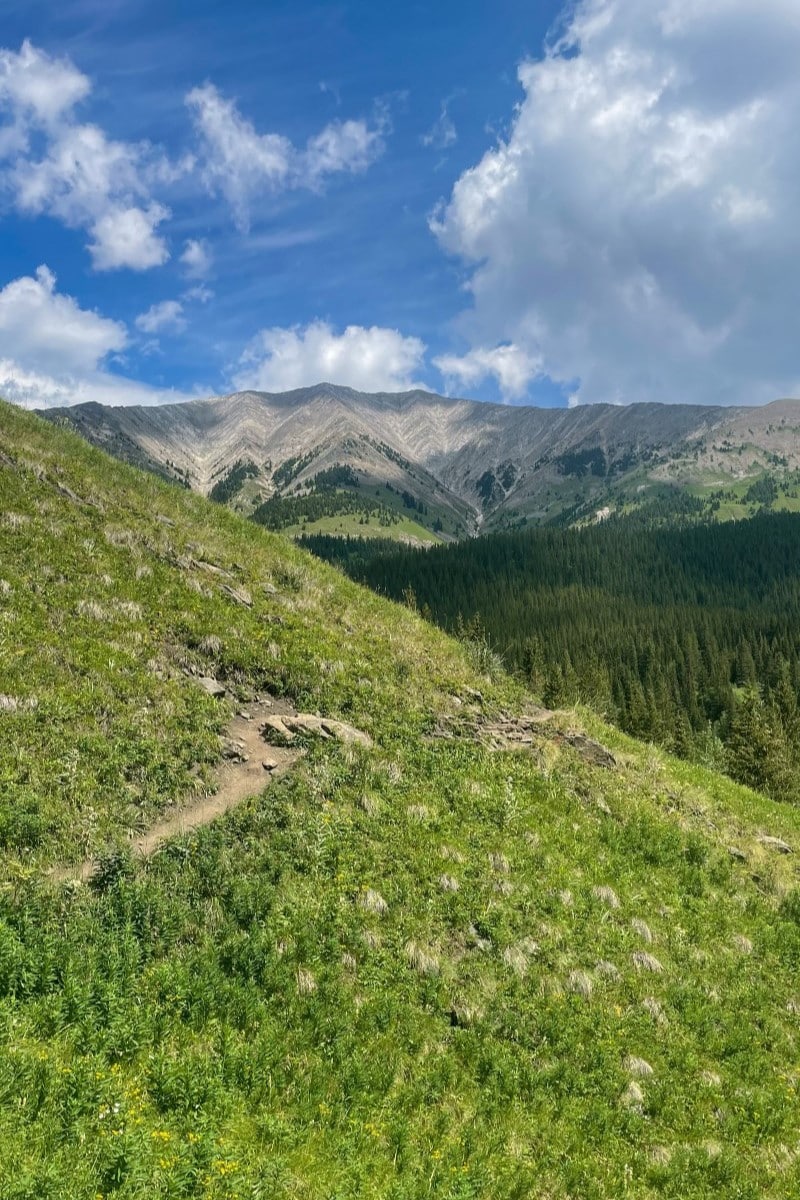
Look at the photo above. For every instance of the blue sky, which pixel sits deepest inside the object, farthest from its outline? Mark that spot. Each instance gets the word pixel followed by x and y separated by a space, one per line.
pixel 514 201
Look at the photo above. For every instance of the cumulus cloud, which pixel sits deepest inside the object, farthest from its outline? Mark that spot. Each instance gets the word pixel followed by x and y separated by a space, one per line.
pixel 637 231
pixel 511 366
pixel 53 352
pixel 35 389
pixel 370 360
pixel 164 317
pixel 239 163
pixel 33 83
pixel 197 258
pixel 52 163
pixel 126 237
pixel 49 331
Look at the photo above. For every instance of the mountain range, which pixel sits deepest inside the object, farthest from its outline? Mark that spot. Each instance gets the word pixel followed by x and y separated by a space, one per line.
pixel 463 465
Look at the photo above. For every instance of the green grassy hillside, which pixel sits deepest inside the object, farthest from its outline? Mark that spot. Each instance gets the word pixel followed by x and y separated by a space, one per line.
pixel 425 968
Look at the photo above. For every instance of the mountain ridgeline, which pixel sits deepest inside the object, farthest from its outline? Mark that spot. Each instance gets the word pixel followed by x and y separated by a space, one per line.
pixel 689 637
pixel 425 467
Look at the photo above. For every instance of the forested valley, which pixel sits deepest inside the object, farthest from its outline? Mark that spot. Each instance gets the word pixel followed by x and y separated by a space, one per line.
pixel 688 637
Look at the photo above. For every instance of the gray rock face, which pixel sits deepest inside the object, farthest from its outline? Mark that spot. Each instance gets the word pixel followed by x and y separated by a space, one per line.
pixel 476 461
pixel 775 843
pixel 286 728
pixel 212 686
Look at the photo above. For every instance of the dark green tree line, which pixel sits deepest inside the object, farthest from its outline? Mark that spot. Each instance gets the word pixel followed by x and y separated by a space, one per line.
pixel 689 637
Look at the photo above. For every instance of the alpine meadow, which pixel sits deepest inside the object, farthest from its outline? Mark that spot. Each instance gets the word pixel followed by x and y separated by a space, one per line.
pixel 399 600
pixel 484 949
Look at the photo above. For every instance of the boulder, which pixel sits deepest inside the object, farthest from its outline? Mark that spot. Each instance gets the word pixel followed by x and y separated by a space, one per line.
pixel 286 728
pixel 775 843
pixel 212 686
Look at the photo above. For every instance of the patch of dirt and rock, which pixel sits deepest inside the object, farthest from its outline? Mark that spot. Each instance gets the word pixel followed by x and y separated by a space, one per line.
pixel 263 741
pixel 508 732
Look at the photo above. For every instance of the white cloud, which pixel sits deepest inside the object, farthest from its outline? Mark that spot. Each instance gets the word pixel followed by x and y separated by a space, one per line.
pixel 511 366
pixel 53 352
pixel 36 84
pixel 638 228
pixel 34 389
pixel 48 331
pixel 199 293
pixel 164 317
pixel 75 176
pixel 126 237
pixel 197 258
pixel 241 163
pixel 443 132
pixel 340 146
pixel 370 360
pixel 51 163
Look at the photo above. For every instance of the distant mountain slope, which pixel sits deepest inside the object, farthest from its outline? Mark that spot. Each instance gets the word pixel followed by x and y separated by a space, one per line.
pixel 486 952
pixel 471 464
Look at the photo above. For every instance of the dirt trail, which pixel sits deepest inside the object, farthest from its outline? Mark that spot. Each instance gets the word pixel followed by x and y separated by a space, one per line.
pixel 236 780
pixel 251 767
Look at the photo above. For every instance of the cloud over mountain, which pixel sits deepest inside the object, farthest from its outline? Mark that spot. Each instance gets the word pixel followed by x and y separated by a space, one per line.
pixel 371 360
pixel 637 229
pixel 53 352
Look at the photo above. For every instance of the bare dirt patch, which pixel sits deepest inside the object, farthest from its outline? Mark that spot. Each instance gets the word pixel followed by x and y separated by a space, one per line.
pixel 249 767
pixel 263 741
pixel 241 776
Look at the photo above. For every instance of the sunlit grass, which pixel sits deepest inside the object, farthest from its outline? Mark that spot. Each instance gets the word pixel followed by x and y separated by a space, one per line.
pixel 421 969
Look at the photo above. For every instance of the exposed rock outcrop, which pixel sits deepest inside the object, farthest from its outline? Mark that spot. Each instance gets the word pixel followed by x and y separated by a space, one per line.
pixel 508 732
pixel 285 729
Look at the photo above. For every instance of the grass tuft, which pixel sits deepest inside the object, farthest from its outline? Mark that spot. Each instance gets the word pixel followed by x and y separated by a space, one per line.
pixel 633 1097
pixel 606 895
pixel 92 610
pixel 607 970
pixel 655 1009
pixel 642 930
pixel 516 959
pixel 639 1067
pixel 372 901
pixel 421 960
pixel 306 983
pixel 580 984
pixel 643 961
pixel 210 645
